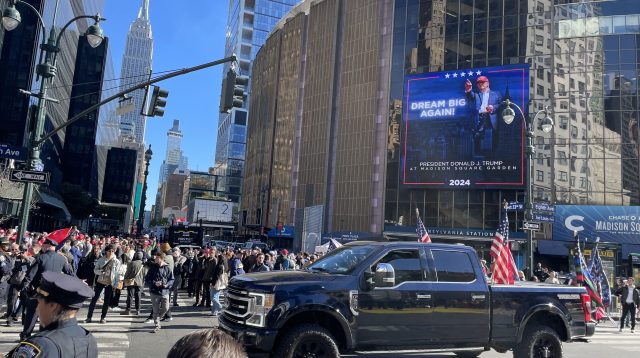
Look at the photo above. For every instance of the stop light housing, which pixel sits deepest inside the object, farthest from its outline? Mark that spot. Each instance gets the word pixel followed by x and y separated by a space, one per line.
pixel 233 93
pixel 158 101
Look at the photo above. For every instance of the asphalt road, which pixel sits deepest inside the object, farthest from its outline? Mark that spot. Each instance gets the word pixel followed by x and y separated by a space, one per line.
pixel 128 336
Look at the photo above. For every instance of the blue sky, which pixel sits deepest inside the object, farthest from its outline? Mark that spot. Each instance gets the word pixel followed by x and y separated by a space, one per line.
pixel 185 34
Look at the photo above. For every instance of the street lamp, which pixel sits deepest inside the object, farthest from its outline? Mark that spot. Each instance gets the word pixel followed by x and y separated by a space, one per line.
pixel 147 158
pixel 508 115
pixel 46 70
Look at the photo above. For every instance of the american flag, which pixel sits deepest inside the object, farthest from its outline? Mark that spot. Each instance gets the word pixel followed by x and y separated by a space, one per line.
pixel 504 268
pixel 423 235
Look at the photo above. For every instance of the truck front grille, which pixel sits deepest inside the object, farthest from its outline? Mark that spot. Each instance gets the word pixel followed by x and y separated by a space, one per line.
pixel 237 304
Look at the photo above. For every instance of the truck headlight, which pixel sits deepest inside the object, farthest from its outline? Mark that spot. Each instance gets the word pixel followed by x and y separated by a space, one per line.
pixel 259 306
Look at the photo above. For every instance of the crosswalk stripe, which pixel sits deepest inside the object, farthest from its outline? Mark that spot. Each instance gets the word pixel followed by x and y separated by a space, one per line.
pixel 111 335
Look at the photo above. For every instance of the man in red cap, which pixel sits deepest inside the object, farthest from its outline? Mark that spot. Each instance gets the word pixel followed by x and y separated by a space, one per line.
pixel 485 103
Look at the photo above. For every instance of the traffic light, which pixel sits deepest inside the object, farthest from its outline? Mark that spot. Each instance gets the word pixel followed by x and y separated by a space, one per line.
pixel 233 91
pixel 158 101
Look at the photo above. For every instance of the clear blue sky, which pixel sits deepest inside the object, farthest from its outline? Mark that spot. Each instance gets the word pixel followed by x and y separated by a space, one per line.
pixel 185 34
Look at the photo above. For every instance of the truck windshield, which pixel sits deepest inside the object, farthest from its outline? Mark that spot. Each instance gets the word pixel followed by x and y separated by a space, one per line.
pixel 342 260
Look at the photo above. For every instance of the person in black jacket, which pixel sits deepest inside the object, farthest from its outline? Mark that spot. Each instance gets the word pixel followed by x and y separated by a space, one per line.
pixel 47 260
pixel 160 280
pixel 630 299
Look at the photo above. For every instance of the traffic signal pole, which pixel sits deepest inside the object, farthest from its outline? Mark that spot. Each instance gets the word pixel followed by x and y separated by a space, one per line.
pixel 36 143
pixel 142 85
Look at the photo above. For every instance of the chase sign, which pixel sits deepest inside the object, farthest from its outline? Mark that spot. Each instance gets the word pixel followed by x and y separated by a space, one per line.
pixel 614 224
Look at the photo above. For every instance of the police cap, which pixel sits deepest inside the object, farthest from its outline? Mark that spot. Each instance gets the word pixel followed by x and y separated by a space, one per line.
pixel 66 290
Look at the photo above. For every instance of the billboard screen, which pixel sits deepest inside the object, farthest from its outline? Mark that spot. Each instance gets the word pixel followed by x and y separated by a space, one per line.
pixel 454 134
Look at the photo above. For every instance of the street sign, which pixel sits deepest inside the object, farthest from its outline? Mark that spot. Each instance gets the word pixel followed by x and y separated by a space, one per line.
pixel 543 212
pixel 29 176
pixel 530 225
pixel 542 217
pixel 11 152
pixel 514 205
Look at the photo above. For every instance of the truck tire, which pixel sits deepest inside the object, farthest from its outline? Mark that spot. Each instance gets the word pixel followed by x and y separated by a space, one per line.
pixel 468 354
pixel 537 341
pixel 307 340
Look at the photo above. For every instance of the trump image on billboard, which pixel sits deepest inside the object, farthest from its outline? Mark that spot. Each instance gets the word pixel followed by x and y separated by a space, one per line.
pixel 454 135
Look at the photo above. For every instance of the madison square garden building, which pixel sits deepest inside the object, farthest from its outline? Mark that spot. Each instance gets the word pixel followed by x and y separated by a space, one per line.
pixel 362 111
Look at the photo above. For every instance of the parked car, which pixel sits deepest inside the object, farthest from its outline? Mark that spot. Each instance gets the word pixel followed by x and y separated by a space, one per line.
pixel 401 295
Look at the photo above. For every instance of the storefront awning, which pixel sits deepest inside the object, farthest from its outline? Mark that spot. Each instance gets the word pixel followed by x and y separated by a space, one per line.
pixel 554 248
pixel 55 202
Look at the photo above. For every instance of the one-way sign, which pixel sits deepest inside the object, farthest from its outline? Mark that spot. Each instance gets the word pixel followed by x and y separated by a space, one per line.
pixel 533 226
pixel 29 176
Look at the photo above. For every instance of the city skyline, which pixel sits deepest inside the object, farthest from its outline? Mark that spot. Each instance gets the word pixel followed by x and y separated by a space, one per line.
pixel 193 98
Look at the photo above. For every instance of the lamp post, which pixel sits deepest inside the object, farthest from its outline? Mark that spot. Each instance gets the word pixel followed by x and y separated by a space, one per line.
pixel 147 158
pixel 46 70
pixel 508 115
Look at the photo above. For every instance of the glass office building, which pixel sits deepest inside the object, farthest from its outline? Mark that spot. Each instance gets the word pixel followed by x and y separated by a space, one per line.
pixel 583 62
pixel 248 25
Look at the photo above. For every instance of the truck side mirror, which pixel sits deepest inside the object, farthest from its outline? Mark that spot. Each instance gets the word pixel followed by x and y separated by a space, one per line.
pixel 385 275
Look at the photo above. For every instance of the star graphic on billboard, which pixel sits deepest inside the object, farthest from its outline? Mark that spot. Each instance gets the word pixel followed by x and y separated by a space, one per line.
pixel 470 73
pixel 447 75
pixel 478 73
pixel 462 74
pixel 455 75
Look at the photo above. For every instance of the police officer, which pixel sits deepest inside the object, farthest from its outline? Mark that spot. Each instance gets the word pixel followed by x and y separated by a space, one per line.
pixel 47 260
pixel 59 298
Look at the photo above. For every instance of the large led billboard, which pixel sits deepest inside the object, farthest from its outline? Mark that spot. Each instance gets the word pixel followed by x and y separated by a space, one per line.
pixel 454 134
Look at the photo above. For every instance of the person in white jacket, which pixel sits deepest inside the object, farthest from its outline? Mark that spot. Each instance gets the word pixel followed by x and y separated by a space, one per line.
pixel 108 270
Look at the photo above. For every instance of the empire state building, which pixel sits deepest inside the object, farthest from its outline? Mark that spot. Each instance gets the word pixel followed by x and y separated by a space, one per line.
pixel 136 67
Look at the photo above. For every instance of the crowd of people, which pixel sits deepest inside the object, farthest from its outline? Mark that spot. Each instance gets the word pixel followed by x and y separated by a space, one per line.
pixel 119 270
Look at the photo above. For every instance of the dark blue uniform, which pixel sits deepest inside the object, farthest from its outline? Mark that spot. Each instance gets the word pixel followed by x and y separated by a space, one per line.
pixel 60 339
pixel 46 261
pixel 63 338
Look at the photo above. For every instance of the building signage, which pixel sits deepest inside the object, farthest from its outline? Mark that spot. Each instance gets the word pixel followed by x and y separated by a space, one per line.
pixel 454 135
pixel 615 224
pixel 11 152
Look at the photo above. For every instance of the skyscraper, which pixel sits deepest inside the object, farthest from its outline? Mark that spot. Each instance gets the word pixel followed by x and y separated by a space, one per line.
pixel 136 68
pixel 174 158
pixel 248 25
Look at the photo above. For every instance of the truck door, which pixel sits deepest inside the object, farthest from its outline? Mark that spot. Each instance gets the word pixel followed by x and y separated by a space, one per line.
pixel 460 298
pixel 397 315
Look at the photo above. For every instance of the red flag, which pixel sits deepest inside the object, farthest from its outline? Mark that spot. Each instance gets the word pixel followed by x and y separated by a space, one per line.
pixel 59 236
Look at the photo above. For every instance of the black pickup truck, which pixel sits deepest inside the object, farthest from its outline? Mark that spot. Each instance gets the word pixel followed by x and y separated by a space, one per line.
pixel 396 296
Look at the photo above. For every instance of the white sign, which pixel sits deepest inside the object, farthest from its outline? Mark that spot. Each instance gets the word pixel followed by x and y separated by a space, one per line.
pixel 213 210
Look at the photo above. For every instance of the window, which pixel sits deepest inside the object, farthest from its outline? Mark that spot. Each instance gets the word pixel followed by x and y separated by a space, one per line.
pixel 539 175
pixel 406 264
pixel 453 266
pixel 563 176
pixel 564 121
pixel 562 157
pixel 572 181
pixel 574 132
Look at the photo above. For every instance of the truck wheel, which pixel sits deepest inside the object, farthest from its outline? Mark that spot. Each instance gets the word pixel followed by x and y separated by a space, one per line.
pixel 307 340
pixel 539 342
pixel 468 354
